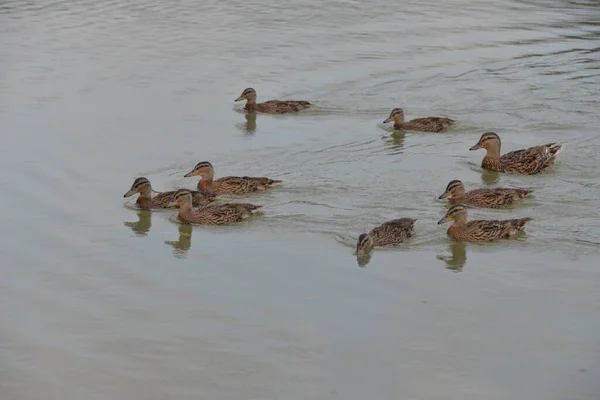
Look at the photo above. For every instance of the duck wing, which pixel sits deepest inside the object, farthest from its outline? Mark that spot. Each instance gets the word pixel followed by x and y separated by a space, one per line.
pixel 245 184
pixel 494 229
pixel 393 232
pixel 428 124
pixel 282 106
pixel 494 197
pixel 224 213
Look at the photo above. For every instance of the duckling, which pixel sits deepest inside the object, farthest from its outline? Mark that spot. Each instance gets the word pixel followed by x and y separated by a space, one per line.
pixel 229 184
pixel 392 232
pixel 480 230
pixel 490 198
pixel 145 200
pixel 428 124
pixel 527 161
pixel 211 215
pixel 271 106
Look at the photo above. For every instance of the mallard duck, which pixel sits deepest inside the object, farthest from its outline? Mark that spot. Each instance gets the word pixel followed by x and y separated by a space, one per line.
pixel 146 201
pixel 481 230
pixel 210 215
pixel 271 106
pixel 526 161
pixel 392 232
pixel 490 198
pixel 428 124
pixel 229 184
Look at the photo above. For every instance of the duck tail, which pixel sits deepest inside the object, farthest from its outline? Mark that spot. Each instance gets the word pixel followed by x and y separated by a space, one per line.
pixel 273 183
pixel 256 209
pixel 521 223
pixel 555 148
pixel 524 192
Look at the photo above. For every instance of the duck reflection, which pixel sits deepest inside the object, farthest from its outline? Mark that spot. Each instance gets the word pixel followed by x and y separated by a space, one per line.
pixel 142 226
pixel 183 244
pixel 363 259
pixel 490 177
pixel 396 139
pixel 250 125
pixel 457 261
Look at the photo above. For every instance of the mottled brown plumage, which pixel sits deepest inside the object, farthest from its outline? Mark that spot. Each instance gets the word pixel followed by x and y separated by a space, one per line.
pixel 480 230
pixel 528 161
pixel 229 184
pixel 489 198
pixel 219 214
pixel 427 124
pixel 271 106
pixel 146 201
pixel 392 232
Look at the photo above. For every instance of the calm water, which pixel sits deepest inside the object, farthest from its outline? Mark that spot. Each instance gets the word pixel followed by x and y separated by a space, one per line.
pixel 100 301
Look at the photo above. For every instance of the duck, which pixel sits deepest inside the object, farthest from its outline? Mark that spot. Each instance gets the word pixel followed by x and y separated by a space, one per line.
pixel 145 200
pixel 527 161
pixel 396 231
pixel 486 198
pixel 219 214
pixel 427 124
pixel 271 106
pixel 229 184
pixel 480 230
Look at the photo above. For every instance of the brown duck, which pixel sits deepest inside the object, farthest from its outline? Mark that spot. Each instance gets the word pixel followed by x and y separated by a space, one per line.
pixel 528 161
pixel 146 201
pixel 211 215
pixel 480 230
pixel 229 184
pixel 427 124
pixel 392 232
pixel 487 198
pixel 271 106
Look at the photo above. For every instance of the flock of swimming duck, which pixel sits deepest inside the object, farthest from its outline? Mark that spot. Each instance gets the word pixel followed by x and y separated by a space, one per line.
pixel 195 205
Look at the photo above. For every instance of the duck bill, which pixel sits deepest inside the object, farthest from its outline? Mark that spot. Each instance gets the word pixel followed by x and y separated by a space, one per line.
pixel 171 204
pixel 445 219
pixel 239 98
pixel 130 193
pixel 476 147
pixel 387 120
pixel 444 195
pixel 191 173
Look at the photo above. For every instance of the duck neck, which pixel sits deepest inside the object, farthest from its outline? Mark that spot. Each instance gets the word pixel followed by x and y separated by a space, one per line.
pixel 398 121
pixel 493 151
pixel 457 194
pixel 460 219
pixel 185 208
pixel 145 195
pixel 206 181
pixel 250 103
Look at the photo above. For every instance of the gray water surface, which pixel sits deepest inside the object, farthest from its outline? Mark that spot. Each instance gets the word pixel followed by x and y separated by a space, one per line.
pixel 100 301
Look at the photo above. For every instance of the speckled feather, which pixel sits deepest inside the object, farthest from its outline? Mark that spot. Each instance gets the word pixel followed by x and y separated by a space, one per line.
pixel 426 124
pixel 218 214
pixel 487 197
pixel 237 184
pixel 160 200
pixel 392 232
pixel 527 161
pixel 229 184
pixel 491 198
pixel 271 106
pixel 480 230
pixel 487 230
pixel 211 215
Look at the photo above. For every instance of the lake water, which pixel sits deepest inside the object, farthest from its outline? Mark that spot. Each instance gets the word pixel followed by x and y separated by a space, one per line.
pixel 100 301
